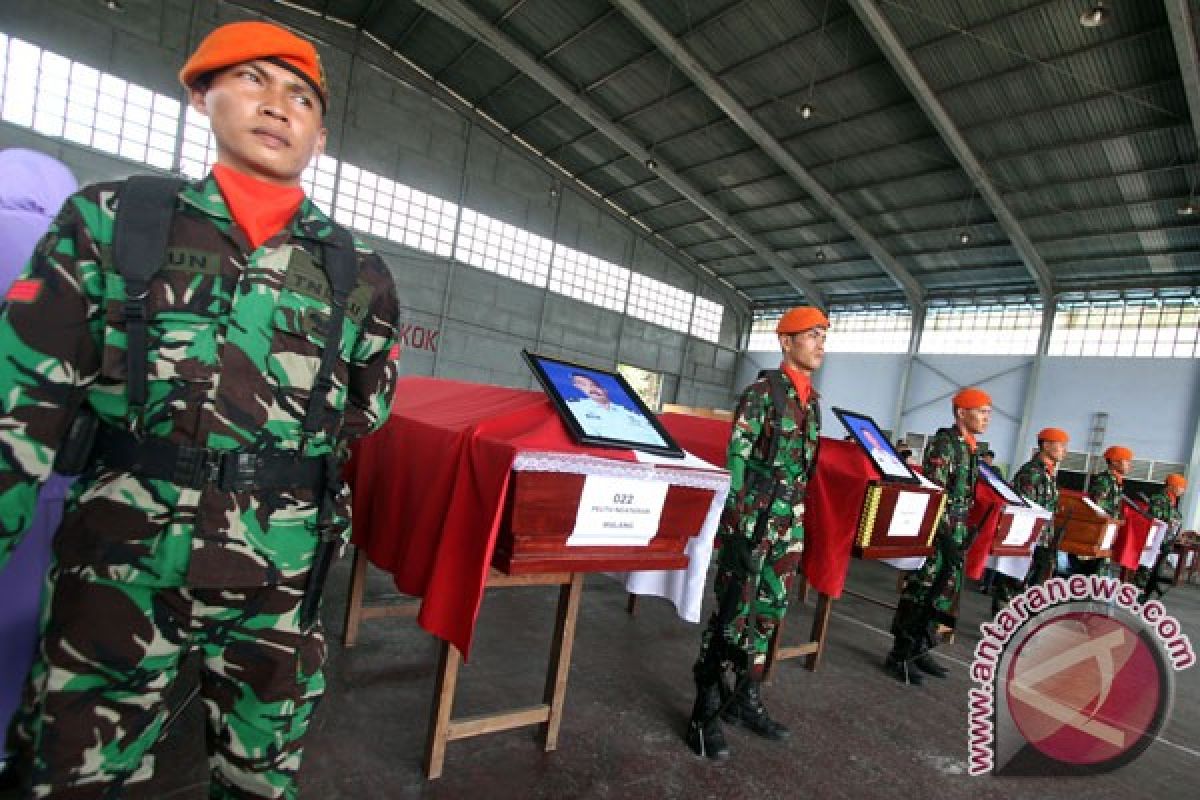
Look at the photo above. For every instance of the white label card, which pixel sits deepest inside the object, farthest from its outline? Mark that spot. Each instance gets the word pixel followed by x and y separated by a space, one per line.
pixel 909 512
pixel 1020 529
pixel 618 511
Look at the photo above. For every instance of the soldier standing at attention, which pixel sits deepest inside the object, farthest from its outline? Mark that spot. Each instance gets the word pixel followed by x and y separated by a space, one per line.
pixel 1035 481
pixel 225 361
pixel 929 593
pixel 1105 491
pixel 771 456
pixel 1164 506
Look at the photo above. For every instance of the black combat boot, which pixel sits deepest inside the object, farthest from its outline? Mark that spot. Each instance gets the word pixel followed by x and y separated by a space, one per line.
pixel 899 663
pixel 704 734
pixel 746 709
pixel 926 663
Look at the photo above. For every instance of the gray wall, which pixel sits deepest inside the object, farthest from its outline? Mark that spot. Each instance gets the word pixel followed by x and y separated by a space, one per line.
pixel 399 129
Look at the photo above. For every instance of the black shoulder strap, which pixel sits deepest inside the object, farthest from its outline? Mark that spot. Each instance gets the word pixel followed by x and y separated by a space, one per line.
pixel 143 226
pixel 779 400
pixel 341 267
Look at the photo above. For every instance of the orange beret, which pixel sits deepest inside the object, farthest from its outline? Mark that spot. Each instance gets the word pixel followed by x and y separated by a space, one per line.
pixel 239 42
pixel 1118 453
pixel 1052 435
pixel 971 397
pixel 1177 481
pixel 802 318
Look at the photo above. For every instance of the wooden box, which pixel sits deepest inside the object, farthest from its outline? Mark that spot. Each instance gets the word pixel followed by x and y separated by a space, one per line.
pixel 898 520
pixel 540 516
pixel 1020 527
pixel 1087 531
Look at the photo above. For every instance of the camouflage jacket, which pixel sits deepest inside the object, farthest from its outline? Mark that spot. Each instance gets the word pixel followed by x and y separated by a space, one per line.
pixel 751 474
pixel 950 463
pixel 1105 491
pixel 1164 507
pixel 233 343
pixel 1034 481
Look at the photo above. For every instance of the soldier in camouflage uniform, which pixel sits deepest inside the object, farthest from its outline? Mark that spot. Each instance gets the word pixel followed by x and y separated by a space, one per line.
pixel 214 555
pixel 1035 481
pixel 1105 491
pixel 771 456
pixel 1164 506
pixel 929 593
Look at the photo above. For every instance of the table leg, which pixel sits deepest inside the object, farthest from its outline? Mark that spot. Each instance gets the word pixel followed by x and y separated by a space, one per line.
pixel 354 599
pixel 631 604
pixel 560 657
pixel 443 706
pixel 819 629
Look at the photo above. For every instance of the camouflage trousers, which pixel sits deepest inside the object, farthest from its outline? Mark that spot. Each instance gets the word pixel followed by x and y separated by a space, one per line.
pixel 1089 566
pixel 1041 569
pixel 929 593
pixel 753 581
pixel 94 707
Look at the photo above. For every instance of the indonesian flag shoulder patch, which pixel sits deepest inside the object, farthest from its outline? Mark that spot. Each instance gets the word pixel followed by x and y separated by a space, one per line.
pixel 394 353
pixel 24 291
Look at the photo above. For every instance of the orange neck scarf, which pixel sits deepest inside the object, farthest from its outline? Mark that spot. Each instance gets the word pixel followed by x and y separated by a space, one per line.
pixel 1051 465
pixel 968 437
pixel 799 380
pixel 259 208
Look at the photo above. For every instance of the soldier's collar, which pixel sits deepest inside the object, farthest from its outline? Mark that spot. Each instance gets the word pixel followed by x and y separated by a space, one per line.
pixel 205 195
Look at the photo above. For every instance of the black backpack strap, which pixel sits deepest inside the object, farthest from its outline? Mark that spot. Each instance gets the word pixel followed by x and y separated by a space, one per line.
pixel 143 226
pixel 341 267
pixel 779 401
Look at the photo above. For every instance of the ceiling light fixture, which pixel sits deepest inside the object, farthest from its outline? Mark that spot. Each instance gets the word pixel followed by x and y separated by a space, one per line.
pixel 1186 210
pixel 651 164
pixel 113 5
pixel 806 111
pixel 964 237
pixel 1095 16
pixel 820 256
pixel 554 190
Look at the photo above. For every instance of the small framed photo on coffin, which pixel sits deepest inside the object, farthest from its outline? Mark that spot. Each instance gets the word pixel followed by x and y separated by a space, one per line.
pixel 870 438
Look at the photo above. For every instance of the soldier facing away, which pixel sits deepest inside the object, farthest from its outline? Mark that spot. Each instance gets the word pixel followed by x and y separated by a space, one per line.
pixel 771 456
pixel 1035 481
pixel 225 370
pixel 929 593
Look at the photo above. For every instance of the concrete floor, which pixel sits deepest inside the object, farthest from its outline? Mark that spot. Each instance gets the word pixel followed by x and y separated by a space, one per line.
pixel 856 732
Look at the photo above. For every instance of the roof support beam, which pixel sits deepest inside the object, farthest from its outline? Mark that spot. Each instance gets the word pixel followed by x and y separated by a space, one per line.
pixel 703 78
pixel 883 34
pixel 466 19
pixel 1179 14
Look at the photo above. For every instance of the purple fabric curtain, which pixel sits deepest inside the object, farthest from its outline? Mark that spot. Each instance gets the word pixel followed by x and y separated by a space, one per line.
pixel 32 188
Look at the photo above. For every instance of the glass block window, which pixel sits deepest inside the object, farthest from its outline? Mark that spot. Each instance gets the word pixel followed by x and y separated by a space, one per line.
pixel 380 206
pixel 64 99
pixel 653 301
pixel 1151 327
pixel 199 151
pixel 869 330
pixel 706 319
pixel 502 248
pixel 588 278
pixel 762 331
pixel 319 180
pixel 1010 329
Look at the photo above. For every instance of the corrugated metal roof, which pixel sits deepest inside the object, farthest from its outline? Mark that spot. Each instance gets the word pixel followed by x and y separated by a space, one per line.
pixel 1085 133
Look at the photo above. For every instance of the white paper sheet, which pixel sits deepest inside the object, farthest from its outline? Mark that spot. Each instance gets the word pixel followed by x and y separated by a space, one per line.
pixel 618 511
pixel 908 514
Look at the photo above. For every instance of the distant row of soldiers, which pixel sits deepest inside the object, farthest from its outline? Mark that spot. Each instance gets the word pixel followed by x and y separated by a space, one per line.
pixel 771 456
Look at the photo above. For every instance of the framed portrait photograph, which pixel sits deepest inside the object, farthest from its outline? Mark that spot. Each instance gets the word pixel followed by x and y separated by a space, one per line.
pixel 1000 486
pixel 877 447
pixel 600 408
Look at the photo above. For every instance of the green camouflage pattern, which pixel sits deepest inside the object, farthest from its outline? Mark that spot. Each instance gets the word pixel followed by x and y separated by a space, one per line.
pixel 146 570
pixel 234 344
pixel 92 731
pixel 1033 481
pixel 929 592
pixel 1163 506
pixel 762 528
pixel 1105 491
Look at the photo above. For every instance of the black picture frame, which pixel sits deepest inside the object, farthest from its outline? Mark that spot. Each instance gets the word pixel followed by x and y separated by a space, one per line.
pixel 1000 486
pixel 869 436
pixel 629 425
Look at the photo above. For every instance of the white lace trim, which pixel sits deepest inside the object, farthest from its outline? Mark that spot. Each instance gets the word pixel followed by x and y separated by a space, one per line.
pixel 533 461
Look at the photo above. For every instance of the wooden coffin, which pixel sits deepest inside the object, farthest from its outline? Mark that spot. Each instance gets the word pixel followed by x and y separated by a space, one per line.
pixel 540 516
pixel 1017 532
pixel 898 520
pixel 1086 531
